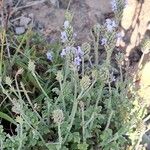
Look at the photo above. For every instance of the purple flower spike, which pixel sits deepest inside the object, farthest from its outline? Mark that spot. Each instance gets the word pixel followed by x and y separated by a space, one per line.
pixel 63 53
pixel 113 5
pixel 79 51
pixel 49 56
pixel 103 41
pixel 110 25
pixel 77 61
pixel 64 36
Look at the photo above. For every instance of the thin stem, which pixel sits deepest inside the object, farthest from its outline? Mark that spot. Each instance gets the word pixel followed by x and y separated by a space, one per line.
pixel 121 75
pixel 96 42
pixel 59 135
pixel 109 119
pixel 61 96
pixel 18 48
pixel 34 75
pixel 91 120
pixel 83 125
pixel 2 50
pixel 66 67
pixel 68 7
pixel 83 66
pixel 74 109
pixel 147 118
pixel 21 133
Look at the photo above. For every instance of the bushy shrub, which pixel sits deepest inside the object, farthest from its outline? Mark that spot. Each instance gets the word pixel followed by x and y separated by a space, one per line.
pixel 66 97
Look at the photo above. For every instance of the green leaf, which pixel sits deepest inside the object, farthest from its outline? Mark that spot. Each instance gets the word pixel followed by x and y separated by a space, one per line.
pixel 76 137
pixel 6 117
pixel 82 146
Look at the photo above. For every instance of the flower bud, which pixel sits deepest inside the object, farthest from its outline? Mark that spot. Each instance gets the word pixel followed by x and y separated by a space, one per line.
pixel 59 76
pixel 85 82
pixel 58 116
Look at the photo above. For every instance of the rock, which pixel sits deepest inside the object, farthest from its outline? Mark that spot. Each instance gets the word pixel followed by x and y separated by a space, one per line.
pixel 19 30
pixel 24 21
pixel 135 23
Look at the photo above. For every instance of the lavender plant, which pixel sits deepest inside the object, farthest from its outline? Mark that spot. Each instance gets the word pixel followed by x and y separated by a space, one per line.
pixel 62 100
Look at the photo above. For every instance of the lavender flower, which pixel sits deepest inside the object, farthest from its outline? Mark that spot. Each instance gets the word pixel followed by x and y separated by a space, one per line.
pixel 113 5
pixel 77 61
pixel 66 24
pixel 110 25
pixel 79 51
pixel 119 36
pixel 65 51
pixel 49 56
pixel 64 36
pixel 103 41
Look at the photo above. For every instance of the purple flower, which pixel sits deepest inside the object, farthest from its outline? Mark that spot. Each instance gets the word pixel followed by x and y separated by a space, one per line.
pixel 119 36
pixel 103 41
pixel 113 5
pixel 79 51
pixel 65 51
pixel 110 25
pixel 49 56
pixel 77 61
pixel 64 37
pixel 66 24
pixel 108 21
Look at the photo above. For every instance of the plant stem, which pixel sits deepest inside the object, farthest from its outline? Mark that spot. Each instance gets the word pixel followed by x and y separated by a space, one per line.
pixel 83 125
pixel 2 50
pixel 20 142
pixel 34 75
pixel 109 119
pixel 83 66
pixel 96 50
pixel 59 135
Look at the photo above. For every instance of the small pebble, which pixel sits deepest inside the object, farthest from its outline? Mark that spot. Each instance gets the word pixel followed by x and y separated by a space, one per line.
pixel 19 30
pixel 24 21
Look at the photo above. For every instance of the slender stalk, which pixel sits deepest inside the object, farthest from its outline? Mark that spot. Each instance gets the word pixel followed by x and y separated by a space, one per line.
pixel 59 135
pixel 35 77
pixel 96 43
pixel 92 118
pixel 21 133
pixel 68 7
pixel 74 109
pixel 121 75
pixel 2 50
pixel 83 66
pixel 62 97
pixel 83 125
pixel 109 119
pixel 18 48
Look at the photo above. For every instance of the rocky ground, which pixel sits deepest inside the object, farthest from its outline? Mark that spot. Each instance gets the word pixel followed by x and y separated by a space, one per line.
pixel 48 18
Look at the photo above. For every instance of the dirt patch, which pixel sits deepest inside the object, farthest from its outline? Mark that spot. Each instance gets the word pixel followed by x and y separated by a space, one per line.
pixel 48 18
